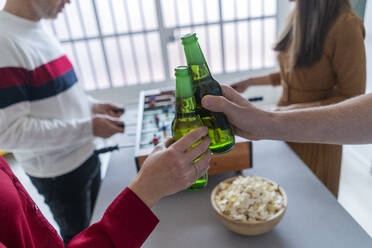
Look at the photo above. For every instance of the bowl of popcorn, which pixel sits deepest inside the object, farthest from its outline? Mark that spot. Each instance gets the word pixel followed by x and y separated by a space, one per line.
pixel 249 205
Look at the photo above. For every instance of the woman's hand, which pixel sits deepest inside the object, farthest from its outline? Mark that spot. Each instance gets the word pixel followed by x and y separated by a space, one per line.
pixel 255 81
pixel 242 85
pixel 170 168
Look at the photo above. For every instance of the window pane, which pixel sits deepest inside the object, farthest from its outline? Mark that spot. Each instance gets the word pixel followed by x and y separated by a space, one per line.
pixel 88 16
pixel 230 47
pixel 243 46
pixel 212 10
pixel 149 11
pixel 169 12
pixel 270 38
pixel 256 8
pixel 134 15
pixel 143 60
pixel 129 61
pixel 119 13
pixel 113 55
pixel 74 21
pixel 256 34
pixel 228 7
pixel 156 57
pixel 270 7
pixel 215 60
pixel 183 12
pixel 242 9
pixel 99 64
pixel 198 11
pixel 105 17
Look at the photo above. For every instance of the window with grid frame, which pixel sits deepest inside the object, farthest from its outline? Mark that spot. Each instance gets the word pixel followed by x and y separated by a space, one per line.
pixel 118 43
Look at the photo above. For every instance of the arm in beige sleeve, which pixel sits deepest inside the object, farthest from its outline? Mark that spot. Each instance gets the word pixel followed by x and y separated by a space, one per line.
pixel 275 78
pixel 270 79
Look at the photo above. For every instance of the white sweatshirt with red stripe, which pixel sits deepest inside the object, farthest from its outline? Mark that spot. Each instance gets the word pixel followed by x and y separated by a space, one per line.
pixel 45 116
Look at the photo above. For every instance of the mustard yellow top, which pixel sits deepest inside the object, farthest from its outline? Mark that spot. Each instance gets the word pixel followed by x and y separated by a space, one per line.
pixel 338 75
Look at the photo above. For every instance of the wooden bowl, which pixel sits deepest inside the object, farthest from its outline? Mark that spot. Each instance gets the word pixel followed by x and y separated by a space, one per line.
pixel 248 227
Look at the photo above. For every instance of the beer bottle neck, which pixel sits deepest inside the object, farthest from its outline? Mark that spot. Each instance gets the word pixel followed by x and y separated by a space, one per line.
pixel 185 101
pixel 196 61
pixel 183 87
pixel 194 54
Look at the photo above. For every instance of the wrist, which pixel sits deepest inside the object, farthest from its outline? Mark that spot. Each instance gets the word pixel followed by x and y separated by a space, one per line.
pixel 272 125
pixel 147 195
pixel 250 82
pixel 267 123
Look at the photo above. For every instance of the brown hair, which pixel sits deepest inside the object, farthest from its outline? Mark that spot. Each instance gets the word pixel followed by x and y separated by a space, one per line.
pixel 307 26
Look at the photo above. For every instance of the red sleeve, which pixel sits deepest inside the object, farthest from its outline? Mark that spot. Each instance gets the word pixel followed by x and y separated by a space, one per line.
pixel 127 223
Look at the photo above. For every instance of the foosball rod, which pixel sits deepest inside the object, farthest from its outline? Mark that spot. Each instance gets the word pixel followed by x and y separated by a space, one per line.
pixel 111 149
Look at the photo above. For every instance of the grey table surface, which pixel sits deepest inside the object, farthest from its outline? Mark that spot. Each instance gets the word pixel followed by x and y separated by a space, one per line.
pixel 314 218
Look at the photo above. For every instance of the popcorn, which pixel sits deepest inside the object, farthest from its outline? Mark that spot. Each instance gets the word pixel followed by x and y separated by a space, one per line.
pixel 249 198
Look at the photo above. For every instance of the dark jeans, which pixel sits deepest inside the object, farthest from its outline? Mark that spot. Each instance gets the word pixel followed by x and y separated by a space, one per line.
pixel 71 197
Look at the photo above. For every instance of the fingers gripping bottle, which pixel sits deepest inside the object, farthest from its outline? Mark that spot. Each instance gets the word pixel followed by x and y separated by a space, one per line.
pixel 186 118
pixel 220 131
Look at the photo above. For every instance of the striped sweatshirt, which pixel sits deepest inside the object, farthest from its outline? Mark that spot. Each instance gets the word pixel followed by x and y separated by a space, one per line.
pixel 45 116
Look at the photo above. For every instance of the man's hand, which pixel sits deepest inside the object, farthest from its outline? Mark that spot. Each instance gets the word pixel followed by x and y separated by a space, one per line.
pixel 248 121
pixel 105 126
pixel 108 109
pixel 169 168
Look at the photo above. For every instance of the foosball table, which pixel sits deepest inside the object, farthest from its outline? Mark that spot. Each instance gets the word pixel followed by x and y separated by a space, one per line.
pixel 156 111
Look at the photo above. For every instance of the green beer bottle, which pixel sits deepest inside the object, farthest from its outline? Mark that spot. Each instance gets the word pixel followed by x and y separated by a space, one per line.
pixel 186 119
pixel 219 130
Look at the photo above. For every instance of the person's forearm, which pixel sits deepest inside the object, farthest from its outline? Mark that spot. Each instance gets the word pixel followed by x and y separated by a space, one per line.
pixel 260 81
pixel 348 122
pixel 332 100
pixel 31 134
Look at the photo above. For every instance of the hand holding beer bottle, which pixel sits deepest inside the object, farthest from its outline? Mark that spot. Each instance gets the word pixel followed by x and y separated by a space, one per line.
pixel 219 129
pixel 186 118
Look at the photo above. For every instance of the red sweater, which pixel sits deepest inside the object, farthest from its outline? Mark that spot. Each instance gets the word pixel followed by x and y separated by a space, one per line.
pixel 127 222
